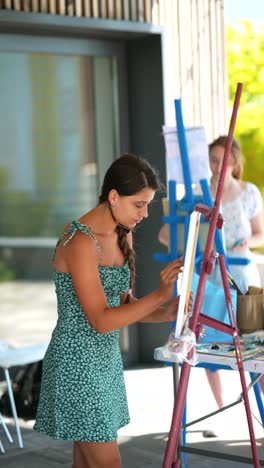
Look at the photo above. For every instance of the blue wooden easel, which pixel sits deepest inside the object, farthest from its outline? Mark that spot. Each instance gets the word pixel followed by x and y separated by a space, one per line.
pixel 187 204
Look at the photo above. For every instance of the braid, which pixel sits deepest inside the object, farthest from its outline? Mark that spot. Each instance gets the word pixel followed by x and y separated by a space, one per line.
pixel 126 251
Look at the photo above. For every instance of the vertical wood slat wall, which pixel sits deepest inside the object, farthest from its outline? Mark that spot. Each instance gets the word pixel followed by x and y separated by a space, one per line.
pixel 199 62
pixel 196 53
pixel 130 10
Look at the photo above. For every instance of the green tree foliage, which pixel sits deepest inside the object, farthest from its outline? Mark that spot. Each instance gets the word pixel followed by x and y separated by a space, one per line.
pixel 245 55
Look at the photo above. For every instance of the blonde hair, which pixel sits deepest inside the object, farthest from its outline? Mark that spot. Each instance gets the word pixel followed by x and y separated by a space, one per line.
pixel 235 152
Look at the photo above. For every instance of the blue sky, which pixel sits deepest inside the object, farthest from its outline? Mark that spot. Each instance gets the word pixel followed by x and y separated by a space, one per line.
pixel 252 10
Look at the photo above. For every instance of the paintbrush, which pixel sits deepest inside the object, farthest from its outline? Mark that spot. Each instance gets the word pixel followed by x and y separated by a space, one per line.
pixel 233 283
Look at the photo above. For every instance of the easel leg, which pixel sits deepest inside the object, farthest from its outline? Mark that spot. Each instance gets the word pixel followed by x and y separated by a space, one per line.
pixel 182 435
pixel 249 418
pixel 258 398
pixel 239 358
pixel 172 444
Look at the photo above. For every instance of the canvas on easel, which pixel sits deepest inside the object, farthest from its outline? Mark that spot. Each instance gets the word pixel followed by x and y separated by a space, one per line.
pixel 188 270
pixel 197 154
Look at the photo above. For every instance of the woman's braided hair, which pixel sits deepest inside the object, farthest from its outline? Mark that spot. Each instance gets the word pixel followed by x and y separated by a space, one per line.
pixel 128 175
pixel 126 250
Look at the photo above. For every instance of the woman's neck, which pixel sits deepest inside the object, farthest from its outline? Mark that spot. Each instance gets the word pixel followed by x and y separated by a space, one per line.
pixel 100 219
pixel 231 189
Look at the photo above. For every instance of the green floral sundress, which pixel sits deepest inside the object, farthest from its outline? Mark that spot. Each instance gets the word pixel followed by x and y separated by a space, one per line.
pixel 83 395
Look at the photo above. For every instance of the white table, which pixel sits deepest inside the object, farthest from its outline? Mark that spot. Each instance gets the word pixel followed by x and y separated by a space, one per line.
pixel 251 364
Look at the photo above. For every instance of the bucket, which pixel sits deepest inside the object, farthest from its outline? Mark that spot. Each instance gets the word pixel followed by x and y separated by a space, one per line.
pixel 250 313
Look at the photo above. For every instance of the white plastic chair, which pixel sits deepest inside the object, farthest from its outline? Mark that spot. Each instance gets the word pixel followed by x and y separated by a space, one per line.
pixel 10 357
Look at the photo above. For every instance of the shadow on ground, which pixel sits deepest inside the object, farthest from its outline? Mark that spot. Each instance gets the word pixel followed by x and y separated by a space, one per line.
pixel 137 452
pixel 149 450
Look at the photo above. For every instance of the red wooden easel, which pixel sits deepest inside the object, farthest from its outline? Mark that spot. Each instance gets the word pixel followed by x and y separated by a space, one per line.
pixel 171 459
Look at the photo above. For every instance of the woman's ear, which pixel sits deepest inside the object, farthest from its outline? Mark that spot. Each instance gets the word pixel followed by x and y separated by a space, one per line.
pixel 112 197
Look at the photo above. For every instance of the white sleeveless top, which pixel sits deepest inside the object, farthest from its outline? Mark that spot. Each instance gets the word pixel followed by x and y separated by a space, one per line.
pixel 238 214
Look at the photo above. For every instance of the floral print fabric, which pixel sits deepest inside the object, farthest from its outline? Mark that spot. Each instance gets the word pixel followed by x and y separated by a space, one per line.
pixel 238 214
pixel 83 395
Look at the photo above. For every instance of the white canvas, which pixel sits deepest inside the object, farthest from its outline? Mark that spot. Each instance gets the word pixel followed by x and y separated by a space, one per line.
pixel 187 270
pixel 197 153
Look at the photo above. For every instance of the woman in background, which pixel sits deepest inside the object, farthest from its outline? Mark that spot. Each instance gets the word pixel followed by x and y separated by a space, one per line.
pixel 242 209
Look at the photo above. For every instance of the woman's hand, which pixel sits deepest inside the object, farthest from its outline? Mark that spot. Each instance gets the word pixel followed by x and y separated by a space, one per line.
pixel 168 277
pixel 172 309
pixel 240 245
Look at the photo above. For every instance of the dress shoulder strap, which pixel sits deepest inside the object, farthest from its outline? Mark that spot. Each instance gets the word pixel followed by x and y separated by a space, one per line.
pixel 75 225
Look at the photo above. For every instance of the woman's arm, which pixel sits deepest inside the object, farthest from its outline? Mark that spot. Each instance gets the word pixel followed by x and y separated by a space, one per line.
pixel 257 226
pixel 157 316
pixel 162 314
pixel 82 262
pixel 257 237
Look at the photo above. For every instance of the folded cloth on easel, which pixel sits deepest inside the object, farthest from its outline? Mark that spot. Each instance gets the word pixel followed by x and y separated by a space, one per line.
pixel 214 305
pixel 181 347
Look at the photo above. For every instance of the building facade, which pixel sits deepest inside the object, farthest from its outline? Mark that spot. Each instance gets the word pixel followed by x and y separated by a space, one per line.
pixel 80 83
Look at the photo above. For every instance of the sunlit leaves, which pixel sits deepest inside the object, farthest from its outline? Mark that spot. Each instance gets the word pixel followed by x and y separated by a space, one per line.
pixel 245 55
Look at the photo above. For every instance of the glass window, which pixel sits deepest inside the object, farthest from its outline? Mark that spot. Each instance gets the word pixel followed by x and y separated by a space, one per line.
pixel 59 131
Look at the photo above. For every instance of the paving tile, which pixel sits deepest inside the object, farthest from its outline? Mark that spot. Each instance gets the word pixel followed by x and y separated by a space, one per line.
pixel 142 443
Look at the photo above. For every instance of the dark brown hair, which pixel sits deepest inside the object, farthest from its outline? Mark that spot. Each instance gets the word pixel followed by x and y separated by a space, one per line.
pixel 235 152
pixel 128 175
